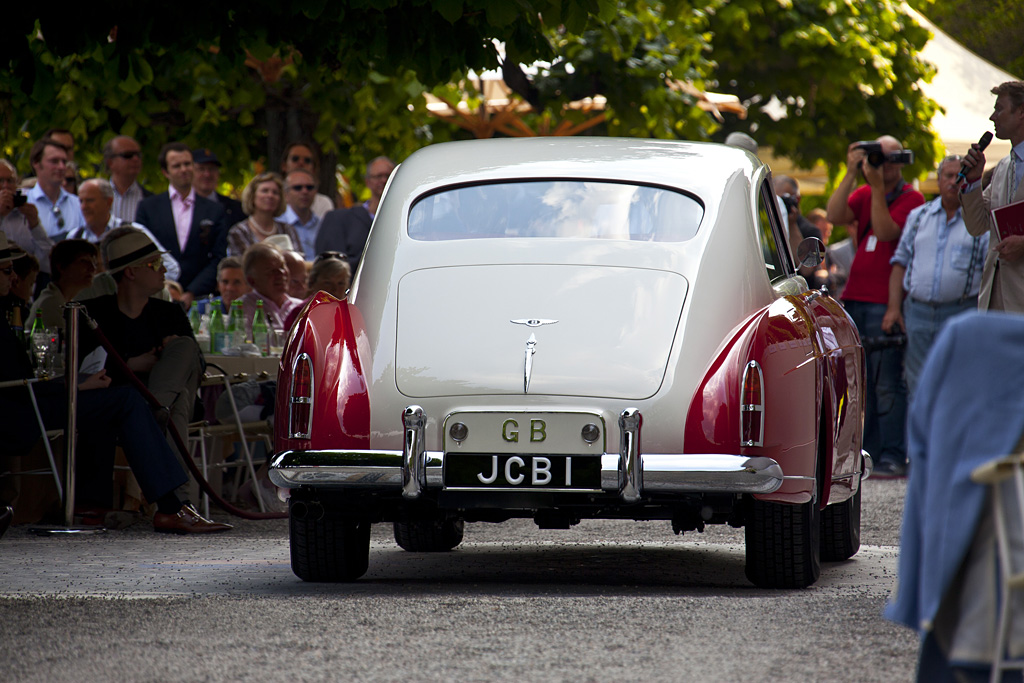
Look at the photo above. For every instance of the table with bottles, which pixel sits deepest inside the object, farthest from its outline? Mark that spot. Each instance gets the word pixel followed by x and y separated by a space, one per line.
pixel 234 344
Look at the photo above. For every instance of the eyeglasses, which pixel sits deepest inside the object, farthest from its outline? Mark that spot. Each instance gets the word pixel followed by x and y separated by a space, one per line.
pixel 378 176
pixel 295 158
pixel 59 215
pixel 7 270
pixel 300 188
pixel 328 255
pixel 7 181
pixel 127 155
pixel 155 266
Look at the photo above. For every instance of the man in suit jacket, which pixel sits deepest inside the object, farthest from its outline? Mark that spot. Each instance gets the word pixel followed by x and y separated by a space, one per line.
pixel 207 177
pixel 346 230
pixel 190 227
pixel 1002 284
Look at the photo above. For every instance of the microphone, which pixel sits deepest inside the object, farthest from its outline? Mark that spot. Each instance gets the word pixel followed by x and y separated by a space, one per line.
pixel 982 144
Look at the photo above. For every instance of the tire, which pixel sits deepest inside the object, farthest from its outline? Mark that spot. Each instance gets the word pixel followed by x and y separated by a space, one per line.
pixel 329 549
pixel 783 548
pixel 840 529
pixel 432 535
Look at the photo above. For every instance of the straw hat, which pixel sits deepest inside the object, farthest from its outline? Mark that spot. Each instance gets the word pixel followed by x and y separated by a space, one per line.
pixel 133 248
pixel 9 252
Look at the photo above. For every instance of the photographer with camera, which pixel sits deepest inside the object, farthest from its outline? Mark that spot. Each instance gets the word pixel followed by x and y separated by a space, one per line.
pixel 19 219
pixel 880 208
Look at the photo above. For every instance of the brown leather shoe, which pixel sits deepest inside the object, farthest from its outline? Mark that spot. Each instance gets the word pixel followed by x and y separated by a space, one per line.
pixel 186 521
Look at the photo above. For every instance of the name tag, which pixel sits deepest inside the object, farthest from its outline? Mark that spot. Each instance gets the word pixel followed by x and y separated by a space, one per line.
pixel 871 243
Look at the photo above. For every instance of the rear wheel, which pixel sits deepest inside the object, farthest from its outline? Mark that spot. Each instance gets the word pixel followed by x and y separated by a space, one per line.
pixel 783 548
pixel 840 529
pixel 326 548
pixel 430 535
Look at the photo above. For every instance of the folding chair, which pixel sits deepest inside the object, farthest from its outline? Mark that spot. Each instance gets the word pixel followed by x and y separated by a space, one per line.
pixel 48 435
pixel 1005 477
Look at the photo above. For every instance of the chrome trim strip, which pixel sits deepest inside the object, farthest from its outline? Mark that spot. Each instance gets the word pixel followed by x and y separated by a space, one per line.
pixel 531 348
pixel 413 465
pixel 867 465
pixel 710 473
pixel 629 454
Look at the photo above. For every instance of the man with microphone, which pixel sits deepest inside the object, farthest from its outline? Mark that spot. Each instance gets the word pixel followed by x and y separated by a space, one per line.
pixel 1002 282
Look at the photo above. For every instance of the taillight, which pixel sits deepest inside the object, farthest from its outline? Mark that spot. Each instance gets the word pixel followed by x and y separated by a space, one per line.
pixel 752 406
pixel 300 405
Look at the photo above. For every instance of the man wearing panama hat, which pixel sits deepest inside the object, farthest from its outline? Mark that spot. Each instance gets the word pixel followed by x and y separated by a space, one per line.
pixel 153 336
pixel 106 416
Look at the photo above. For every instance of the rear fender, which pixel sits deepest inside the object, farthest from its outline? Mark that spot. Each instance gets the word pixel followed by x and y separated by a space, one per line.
pixel 779 339
pixel 332 334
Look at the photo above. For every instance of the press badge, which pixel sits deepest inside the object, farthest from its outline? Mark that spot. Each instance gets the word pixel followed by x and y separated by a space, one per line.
pixel 871 243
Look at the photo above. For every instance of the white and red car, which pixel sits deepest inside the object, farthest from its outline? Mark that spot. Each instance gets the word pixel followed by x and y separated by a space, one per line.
pixel 574 328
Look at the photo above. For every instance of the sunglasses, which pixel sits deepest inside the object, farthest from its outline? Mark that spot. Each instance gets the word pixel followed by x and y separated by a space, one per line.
pixel 155 266
pixel 59 215
pixel 127 155
pixel 299 188
pixel 328 255
pixel 295 158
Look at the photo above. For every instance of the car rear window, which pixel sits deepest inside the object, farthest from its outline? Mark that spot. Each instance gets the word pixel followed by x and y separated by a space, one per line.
pixel 556 208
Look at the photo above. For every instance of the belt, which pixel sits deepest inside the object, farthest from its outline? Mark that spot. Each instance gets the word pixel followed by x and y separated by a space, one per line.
pixel 943 304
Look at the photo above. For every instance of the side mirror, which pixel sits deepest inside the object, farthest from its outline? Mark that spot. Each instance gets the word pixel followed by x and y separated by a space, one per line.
pixel 811 252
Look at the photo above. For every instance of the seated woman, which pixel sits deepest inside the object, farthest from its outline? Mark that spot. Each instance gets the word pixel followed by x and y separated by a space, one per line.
pixel 263 201
pixel 330 273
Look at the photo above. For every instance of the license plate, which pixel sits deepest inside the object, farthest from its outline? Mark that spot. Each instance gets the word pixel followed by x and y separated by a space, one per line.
pixel 522 471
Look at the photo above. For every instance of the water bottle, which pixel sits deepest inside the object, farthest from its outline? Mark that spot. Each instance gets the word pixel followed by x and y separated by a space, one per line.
pixel 259 328
pixel 236 324
pixel 194 318
pixel 218 335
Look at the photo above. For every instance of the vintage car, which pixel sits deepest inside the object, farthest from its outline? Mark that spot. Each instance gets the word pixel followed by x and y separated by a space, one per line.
pixel 574 328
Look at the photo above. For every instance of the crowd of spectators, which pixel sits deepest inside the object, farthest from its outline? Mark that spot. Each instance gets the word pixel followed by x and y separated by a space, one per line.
pixel 138 259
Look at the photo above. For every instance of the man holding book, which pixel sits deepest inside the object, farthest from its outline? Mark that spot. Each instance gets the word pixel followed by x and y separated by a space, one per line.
pixel 1002 285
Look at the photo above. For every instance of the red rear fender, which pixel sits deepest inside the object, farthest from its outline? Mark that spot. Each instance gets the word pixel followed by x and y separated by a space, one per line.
pixel 330 337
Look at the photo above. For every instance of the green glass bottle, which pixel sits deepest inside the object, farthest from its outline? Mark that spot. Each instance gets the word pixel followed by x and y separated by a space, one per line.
pixel 259 328
pixel 236 324
pixel 218 335
pixel 194 318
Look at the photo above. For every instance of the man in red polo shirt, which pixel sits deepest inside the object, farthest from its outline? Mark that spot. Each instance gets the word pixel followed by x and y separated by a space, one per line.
pixel 880 209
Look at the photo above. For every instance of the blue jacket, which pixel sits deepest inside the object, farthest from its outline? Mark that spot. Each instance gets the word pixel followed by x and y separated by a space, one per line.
pixel 968 410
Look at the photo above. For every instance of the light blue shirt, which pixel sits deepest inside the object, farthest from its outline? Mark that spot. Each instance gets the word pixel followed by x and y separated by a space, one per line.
pixel 938 254
pixel 63 216
pixel 306 231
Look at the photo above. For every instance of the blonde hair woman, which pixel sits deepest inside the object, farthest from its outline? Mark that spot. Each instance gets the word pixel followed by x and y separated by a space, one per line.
pixel 263 201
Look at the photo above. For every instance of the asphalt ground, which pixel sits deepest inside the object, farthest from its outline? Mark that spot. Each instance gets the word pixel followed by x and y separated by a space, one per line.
pixel 603 600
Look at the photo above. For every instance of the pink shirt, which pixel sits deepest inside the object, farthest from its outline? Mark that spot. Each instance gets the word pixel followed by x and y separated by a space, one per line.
pixel 182 207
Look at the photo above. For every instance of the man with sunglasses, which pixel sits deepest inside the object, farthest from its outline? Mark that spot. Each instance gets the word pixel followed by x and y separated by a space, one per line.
pixel 937 268
pixel 300 193
pixel 206 178
pixel 59 210
pixel 123 158
pixel 298 156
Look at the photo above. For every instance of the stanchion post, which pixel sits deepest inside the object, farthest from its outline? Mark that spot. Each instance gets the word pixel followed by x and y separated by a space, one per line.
pixel 71 323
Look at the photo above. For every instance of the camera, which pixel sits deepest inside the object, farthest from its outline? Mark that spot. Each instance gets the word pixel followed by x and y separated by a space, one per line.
pixel 19 198
pixel 791 202
pixel 876 156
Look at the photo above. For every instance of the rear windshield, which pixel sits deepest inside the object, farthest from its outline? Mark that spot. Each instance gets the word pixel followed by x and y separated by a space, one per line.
pixel 556 208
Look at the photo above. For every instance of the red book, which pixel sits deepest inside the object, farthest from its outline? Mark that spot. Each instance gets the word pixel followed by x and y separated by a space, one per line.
pixel 1009 219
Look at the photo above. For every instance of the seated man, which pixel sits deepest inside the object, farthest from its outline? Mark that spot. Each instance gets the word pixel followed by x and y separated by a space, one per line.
pixel 231 284
pixel 73 264
pixel 152 336
pixel 266 272
pixel 106 415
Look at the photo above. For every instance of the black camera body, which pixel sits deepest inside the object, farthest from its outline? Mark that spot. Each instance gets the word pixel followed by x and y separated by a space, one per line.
pixel 876 156
pixel 791 203
pixel 19 198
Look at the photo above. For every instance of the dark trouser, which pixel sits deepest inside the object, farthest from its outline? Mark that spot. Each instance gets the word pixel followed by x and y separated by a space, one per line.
pixel 106 418
pixel 885 417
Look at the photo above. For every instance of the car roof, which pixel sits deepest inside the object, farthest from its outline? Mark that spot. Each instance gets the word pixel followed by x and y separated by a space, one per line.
pixel 698 167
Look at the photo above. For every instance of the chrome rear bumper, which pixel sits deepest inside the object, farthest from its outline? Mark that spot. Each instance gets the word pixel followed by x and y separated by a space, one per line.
pixel 629 473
